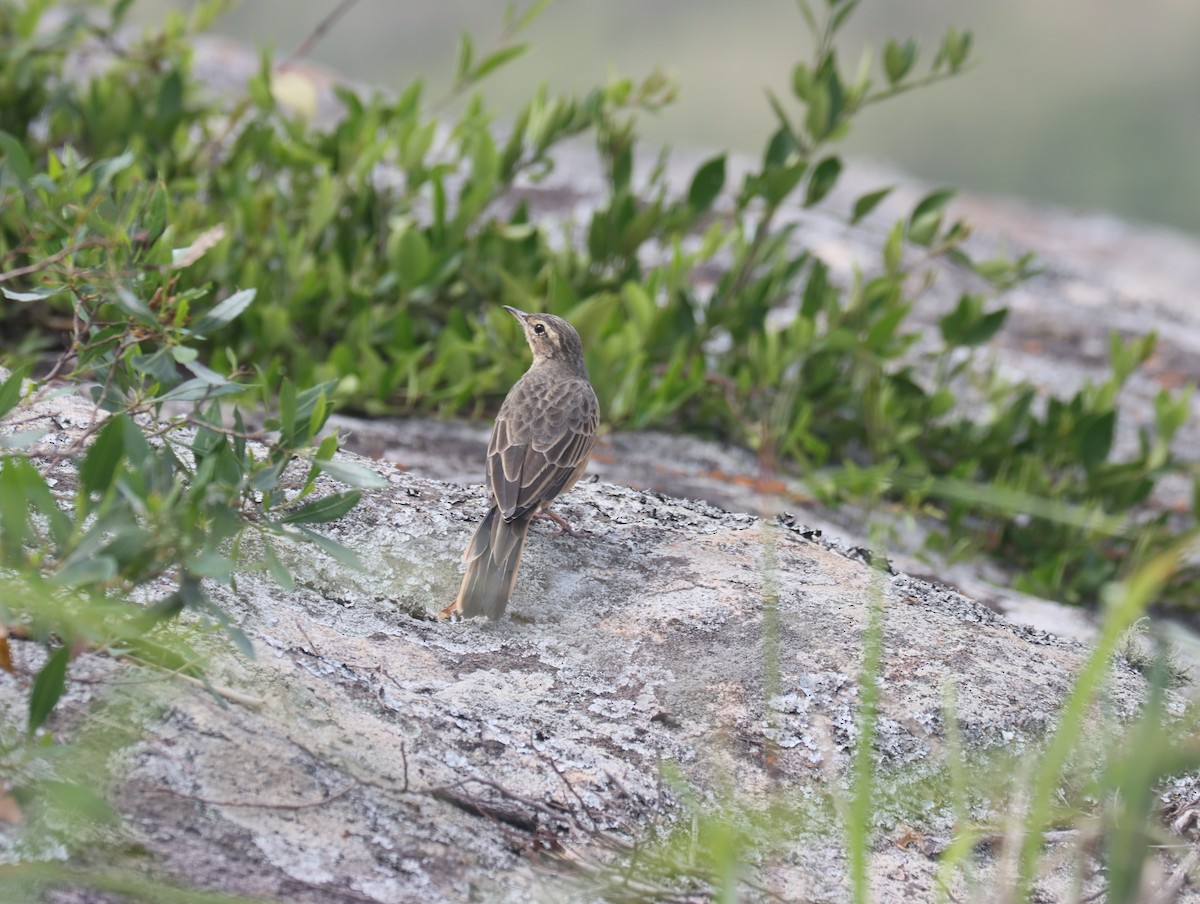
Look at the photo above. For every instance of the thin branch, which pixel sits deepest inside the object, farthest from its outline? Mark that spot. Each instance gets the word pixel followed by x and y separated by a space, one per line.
pixel 583 808
pixel 317 33
pixel 52 259
pixel 1171 888
pixel 224 692
pixel 266 805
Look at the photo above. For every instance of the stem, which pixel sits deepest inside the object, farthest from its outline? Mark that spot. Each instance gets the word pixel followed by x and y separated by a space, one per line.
pixel 317 33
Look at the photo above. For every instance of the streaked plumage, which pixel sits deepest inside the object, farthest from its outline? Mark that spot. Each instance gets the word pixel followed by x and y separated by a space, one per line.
pixel 539 447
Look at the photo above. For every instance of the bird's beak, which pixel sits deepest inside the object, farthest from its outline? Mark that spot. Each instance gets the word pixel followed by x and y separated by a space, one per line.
pixel 520 315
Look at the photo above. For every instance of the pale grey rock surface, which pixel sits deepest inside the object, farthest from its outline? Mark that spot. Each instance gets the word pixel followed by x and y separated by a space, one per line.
pixel 379 755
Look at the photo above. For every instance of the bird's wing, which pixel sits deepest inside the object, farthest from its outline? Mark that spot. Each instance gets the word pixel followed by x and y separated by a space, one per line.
pixel 543 435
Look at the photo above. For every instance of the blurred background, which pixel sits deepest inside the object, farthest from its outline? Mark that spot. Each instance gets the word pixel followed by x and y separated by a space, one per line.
pixel 1091 104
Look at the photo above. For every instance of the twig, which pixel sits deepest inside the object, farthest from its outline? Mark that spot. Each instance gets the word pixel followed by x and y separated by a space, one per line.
pixel 52 259
pixel 77 331
pixel 404 766
pixel 224 692
pixel 317 33
pixel 477 806
pixel 260 805
pixel 193 421
pixel 1171 888
pixel 583 808
pixel 750 261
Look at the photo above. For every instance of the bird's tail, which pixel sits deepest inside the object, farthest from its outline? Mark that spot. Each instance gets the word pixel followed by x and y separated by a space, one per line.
pixel 492 558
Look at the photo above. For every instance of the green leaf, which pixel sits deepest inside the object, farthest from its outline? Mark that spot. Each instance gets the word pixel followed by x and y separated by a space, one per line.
pixel 893 249
pixel 1094 438
pixel 817 290
pixel 839 18
pixel 75 801
pixel 818 117
pixel 956 46
pixel 495 60
pixel 707 184
pixel 923 230
pixel 968 325
pixel 412 256
pixel 170 98
pixel 822 180
pixel 621 171
pixel 196 390
pixel 160 366
pixel 14 513
pixel 205 374
pixel 809 18
pixel 107 170
pixel 132 306
pixel 156 216
pixel 15 157
pixel 466 54
pixel 35 295
pixel 985 327
pixel 48 687
pixel 333 548
pixel 868 202
pixel 781 146
pixel 801 82
pixel 275 567
pixel 225 312
pixel 22 439
pixel 10 390
pixel 779 182
pixel 212 565
pixel 532 12
pixel 328 508
pixel 36 494
pixel 81 572
pixel 100 465
pixel 351 474
pixel 898 59
pixel 933 202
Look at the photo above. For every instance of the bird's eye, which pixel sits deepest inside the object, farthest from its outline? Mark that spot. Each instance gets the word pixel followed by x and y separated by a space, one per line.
pixel 539 329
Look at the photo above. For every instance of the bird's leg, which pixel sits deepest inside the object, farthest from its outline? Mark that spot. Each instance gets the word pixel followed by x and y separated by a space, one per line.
pixel 563 526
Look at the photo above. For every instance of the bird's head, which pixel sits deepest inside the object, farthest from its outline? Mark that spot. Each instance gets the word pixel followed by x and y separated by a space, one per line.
pixel 550 338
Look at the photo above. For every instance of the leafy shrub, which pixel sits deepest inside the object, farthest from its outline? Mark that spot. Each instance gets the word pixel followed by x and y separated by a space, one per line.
pixel 380 256
pixel 165 489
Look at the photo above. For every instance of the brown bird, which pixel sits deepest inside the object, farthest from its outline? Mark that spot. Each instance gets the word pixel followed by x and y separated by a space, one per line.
pixel 540 446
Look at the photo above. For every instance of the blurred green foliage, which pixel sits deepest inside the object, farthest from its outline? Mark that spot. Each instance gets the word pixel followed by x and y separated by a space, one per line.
pixel 164 489
pixel 382 246
pixel 1045 114
pixel 168 482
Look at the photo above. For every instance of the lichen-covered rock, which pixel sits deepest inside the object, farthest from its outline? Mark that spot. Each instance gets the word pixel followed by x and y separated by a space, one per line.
pixel 396 758
pixel 371 753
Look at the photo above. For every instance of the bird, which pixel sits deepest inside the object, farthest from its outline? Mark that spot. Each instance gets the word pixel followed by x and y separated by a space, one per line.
pixel 539 448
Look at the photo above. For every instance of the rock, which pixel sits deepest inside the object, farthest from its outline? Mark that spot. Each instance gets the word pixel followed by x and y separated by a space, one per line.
pixel 371 753
pixel 721 474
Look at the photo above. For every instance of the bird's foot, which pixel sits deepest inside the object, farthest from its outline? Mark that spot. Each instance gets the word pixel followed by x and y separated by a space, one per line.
pixel 563 526
pixel 451 613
